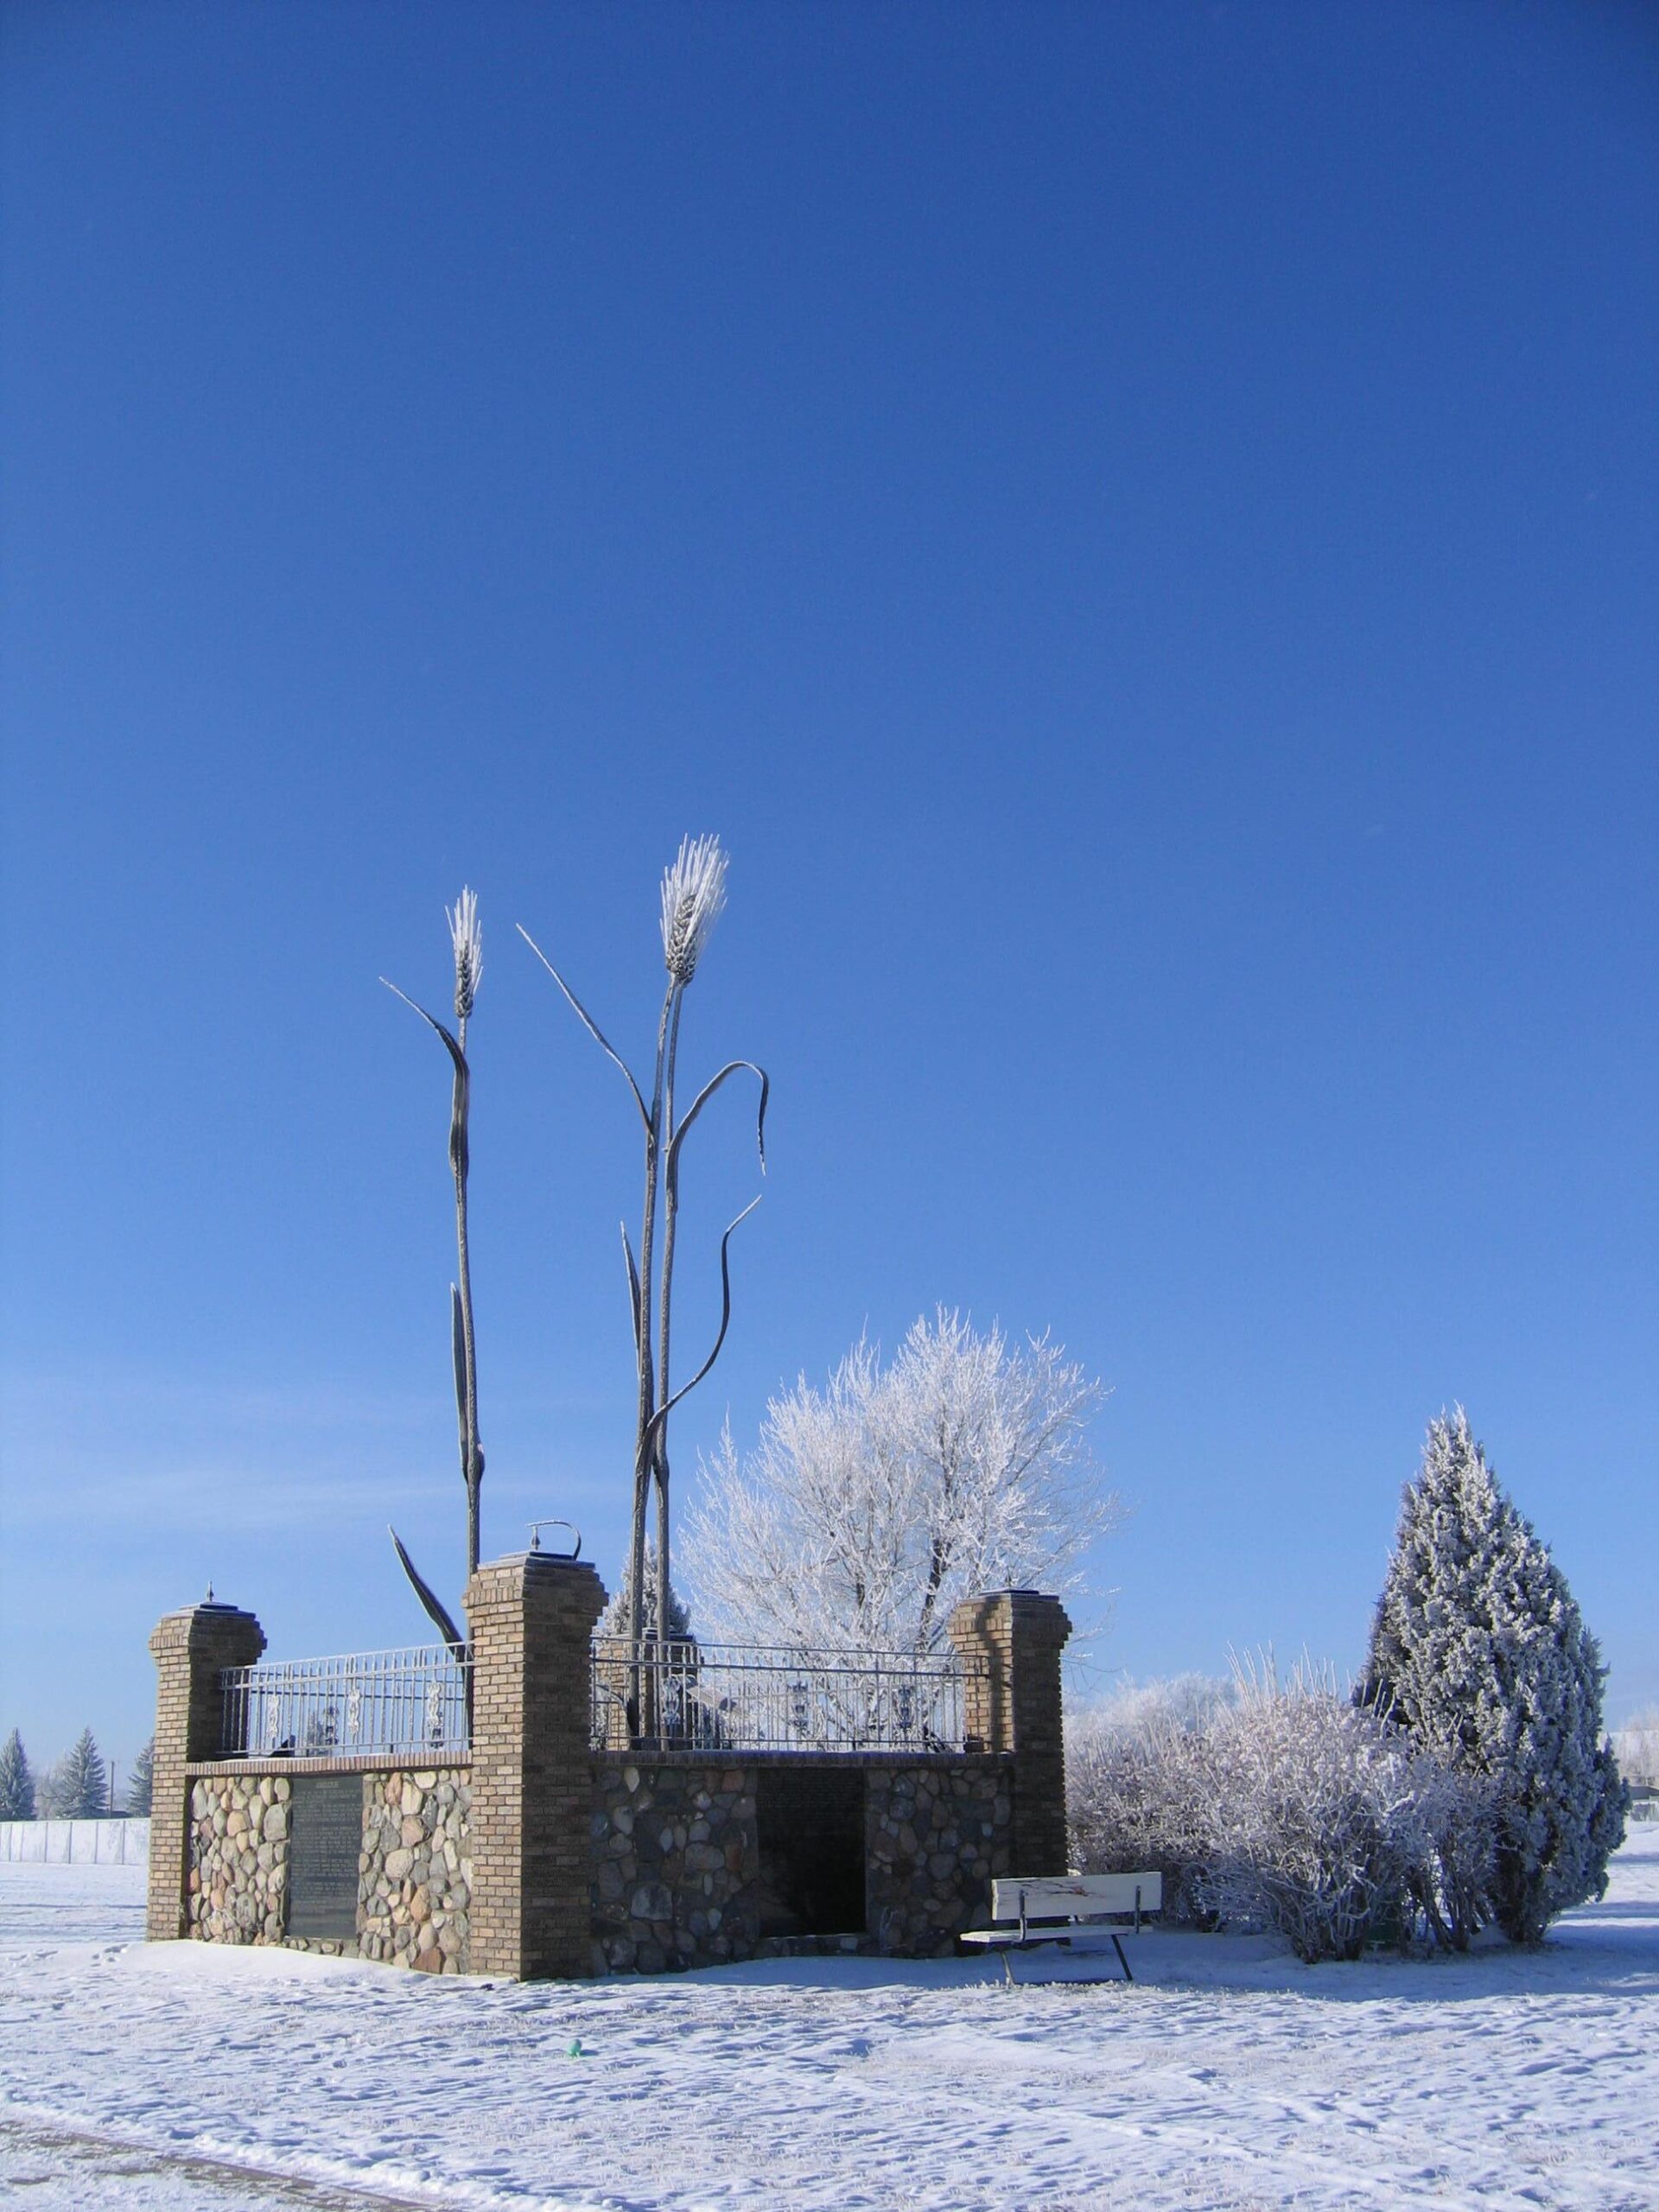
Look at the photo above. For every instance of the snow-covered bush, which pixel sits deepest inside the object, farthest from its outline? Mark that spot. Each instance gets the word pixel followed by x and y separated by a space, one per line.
pixel 1137 1781
pixel 1314 1827
pixel 1278 1805
pixel 1478 1650
pixel 1451 1888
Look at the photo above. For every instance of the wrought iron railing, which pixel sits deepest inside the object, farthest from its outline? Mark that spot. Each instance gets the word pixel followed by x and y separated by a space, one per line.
pixel 414 1701
pixel 754 1697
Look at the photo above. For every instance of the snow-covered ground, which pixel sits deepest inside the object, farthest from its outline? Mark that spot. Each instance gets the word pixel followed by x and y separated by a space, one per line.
pixel 178 2078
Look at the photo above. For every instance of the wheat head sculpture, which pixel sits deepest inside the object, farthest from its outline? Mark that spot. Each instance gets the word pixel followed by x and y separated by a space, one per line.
pixel 693 895
pixel 466 941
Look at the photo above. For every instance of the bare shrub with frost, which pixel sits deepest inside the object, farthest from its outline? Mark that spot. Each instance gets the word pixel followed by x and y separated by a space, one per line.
pixel 1262 1804
pixel 1314 1826
pixel 1138 1783
pixel 1452 1887
pixel 870 1507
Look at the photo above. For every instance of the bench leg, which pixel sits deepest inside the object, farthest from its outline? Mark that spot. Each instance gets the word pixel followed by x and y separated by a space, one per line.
pixel 1121 1961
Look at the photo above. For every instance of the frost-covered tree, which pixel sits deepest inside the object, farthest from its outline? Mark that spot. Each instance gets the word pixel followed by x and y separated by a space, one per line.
pixel 77 1788
pixel 140 1783
pixel 1478 1649
pixel 16 1782
pixel 870 1507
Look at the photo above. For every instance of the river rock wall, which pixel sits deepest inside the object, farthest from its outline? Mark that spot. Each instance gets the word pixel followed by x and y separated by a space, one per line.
pixel 237 1882
pixel 416 1874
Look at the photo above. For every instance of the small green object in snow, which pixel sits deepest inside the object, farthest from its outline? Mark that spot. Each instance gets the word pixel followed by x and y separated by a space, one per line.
pixel 575 2050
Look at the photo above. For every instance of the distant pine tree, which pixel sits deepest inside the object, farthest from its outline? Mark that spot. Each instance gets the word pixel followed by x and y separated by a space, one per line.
pixel 142 1781
pixel 79 1786
pixel 1478 1649
pixel 16 1782
pixel 614 1621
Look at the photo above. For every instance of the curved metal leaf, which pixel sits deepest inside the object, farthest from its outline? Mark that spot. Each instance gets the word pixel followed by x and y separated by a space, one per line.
pixel 732 1067
pixel 589 1023
pixel 456 1052
pixel 458 1159
pixel 654 1426
pixel 446 1628
pixel 633 1287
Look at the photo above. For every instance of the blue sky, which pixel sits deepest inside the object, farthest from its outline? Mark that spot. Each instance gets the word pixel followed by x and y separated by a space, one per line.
pixel 1136 524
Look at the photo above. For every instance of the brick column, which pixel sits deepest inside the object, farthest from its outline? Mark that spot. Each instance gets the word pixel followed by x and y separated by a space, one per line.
pixel 1015 1638
pixel 190 1648
pixel 531 1621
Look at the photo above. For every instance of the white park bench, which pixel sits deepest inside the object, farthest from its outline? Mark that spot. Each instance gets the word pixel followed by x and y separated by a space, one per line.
pixel 1054 1907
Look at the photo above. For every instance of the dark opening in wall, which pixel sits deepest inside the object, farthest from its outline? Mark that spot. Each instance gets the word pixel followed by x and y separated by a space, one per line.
pixel 811 1835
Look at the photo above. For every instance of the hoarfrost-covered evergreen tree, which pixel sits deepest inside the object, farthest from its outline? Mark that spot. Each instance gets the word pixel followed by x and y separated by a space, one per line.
pixel 16 1782
pixel 614 1621
pixel 78 1787
pixel 1478 1649
pixel 140 1783
pixel 870 1507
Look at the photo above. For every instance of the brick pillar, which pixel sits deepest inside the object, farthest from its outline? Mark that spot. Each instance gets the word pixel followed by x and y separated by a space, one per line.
pixel 190 1649
pixel 531 1621
pixel 1015 1638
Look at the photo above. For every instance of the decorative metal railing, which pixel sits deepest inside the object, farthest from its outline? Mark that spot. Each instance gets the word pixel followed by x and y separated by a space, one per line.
pixel 754 1697
pixel 414 1701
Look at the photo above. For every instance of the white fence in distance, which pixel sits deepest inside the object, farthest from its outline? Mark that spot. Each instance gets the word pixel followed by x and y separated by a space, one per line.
pixel 75 1843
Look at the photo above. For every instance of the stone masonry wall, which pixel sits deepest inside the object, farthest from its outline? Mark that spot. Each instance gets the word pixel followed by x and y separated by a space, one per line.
pixel 237 1883
pixel 675 1860
pixel 415 1889
pixel 414 1874
pixel 936 1835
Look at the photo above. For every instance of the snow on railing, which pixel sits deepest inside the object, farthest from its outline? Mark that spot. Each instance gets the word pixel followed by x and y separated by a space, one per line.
pixel 754 1697
pixel 412 1701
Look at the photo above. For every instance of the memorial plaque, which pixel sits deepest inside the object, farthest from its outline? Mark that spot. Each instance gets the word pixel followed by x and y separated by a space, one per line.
pixel 325 1835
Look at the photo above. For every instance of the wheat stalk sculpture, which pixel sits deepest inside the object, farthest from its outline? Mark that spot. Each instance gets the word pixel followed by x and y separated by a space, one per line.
pixel 693 895
pixel 466 941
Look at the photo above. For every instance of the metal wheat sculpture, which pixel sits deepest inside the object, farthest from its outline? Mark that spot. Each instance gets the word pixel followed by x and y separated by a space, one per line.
pixel 694 892
pixel 467 940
